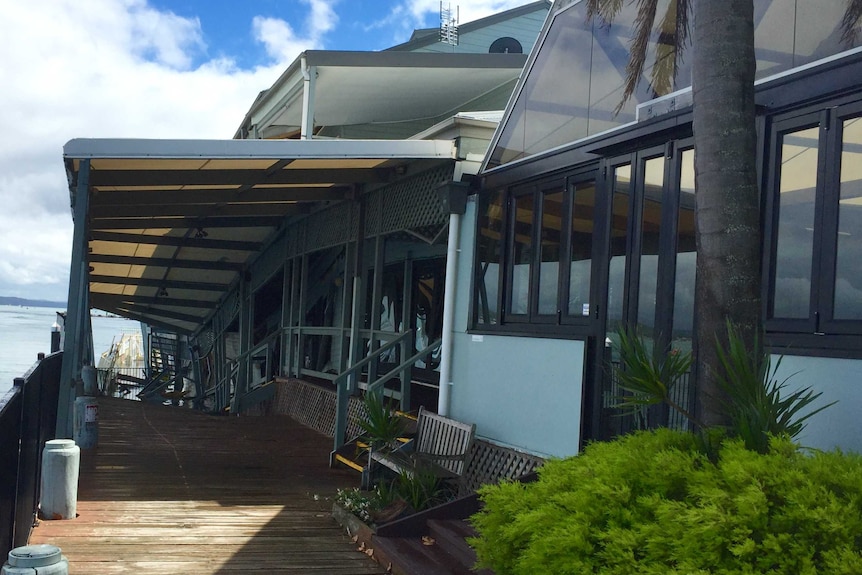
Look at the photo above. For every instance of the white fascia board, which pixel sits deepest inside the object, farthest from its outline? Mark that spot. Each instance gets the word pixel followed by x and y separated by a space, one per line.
pixel 86 148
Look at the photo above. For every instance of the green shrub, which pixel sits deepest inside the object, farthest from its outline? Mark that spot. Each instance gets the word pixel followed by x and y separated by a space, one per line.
pixel 653 503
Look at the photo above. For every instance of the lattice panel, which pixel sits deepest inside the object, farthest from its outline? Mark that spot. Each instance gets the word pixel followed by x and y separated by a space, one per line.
pixel 410 203
pixel 326 228
pixel 314 406
pixel 373 213
pixel 414 203
pixel 491 463
pixel 205 341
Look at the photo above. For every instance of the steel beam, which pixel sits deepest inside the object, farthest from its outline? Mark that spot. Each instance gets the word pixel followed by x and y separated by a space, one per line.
pixel 178 241
pixel 77 306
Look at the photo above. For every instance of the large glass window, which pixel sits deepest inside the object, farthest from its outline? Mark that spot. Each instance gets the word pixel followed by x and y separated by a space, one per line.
pixel 489 244
pixel 521 249
pixel 653 190
pixel 581 261
pixel 550 246
pixel 576 83
pixel 686 256
pixel 797 176
pixel 848 236
pixel 619 244
pixel 547 247
pixel 816 217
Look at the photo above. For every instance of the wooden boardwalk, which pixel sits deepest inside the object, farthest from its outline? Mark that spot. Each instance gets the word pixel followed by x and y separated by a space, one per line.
pixel 171 491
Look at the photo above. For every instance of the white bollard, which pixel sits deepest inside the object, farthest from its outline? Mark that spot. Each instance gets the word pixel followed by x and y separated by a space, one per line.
pixel 61 460
pixel 36 560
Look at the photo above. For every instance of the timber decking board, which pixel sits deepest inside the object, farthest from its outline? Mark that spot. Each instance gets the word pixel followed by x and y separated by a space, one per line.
pixel 173 491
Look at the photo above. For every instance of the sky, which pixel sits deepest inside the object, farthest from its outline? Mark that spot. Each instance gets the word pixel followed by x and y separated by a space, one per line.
pixel 149 69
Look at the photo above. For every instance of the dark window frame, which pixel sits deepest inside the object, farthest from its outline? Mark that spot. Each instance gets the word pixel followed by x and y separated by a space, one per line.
pixel 820 331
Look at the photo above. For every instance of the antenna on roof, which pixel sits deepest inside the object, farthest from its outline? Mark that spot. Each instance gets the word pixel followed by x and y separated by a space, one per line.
pixel 448 24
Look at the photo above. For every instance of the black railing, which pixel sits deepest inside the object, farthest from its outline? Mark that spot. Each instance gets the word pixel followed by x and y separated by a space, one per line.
pixel 28 418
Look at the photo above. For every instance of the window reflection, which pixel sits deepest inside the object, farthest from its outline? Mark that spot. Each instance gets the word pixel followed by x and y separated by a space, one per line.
pixel 583 210
pixel 797 187
pixel 686 255
pixel 576 82
pixel 848 273
pixel 549 251
pixel 489 250
pixel 650 228
pixel 619 240
pixel 522 254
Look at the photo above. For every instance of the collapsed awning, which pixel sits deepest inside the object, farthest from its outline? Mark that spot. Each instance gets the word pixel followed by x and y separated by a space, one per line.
pixel 171 224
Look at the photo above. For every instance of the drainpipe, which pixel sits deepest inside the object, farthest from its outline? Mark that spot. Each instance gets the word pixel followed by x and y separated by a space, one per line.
pixel 453 197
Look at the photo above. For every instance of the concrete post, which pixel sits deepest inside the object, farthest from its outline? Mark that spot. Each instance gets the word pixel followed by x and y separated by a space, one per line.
pixel 61 460
pixel 36 559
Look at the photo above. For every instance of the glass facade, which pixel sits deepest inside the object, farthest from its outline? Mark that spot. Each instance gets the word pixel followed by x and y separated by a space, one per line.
pixel 577 82
pixel 848 272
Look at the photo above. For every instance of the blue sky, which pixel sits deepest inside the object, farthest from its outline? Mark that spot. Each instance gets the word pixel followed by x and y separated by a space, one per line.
pixel 149 69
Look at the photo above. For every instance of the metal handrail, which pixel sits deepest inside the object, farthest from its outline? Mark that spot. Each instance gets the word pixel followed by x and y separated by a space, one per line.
pixel 372 387
pixel 371 356
pixel 342 395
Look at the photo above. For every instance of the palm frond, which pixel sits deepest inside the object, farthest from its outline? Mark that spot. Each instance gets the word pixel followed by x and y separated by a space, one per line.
pixel 648 374
pixel 850 23
pixel 605 10
pixel 757 403
pixel 638 49
pixel 670 44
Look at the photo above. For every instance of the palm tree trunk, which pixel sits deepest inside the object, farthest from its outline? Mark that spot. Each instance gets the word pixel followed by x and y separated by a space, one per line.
pixel 727 199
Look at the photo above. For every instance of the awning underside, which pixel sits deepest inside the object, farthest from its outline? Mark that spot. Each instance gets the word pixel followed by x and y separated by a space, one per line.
pixel 172 224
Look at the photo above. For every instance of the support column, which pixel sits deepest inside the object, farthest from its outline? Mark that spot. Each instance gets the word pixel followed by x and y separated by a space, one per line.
pixel 77 307
pixel 242 373
pixel 358 302
pixel 309 81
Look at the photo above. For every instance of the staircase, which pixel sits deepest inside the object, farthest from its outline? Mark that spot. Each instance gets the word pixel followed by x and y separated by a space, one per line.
pixel 441 550
pixel 354 453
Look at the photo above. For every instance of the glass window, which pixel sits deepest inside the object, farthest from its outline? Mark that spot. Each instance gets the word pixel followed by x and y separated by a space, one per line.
pixel 686 256
pixel 550 248
pixel 653 185
pixel 797 182
pixel 816 188
pixel 489 251
pixel 576 84
pixel 848 272
pixel 618 244
pixel 580 271
pixel 522 254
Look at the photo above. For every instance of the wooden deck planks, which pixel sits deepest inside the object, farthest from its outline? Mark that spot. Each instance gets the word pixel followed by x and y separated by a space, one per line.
pixel 173 491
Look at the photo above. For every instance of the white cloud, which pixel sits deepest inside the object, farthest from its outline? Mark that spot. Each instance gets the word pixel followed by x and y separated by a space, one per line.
pixel 107 68
pixel 282 42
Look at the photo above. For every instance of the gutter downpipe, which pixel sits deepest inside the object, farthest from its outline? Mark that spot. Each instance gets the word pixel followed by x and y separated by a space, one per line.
pixel 448 315
pixel 306 129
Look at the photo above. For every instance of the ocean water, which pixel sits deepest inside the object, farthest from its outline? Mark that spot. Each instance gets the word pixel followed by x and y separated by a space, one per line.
pixel 26 331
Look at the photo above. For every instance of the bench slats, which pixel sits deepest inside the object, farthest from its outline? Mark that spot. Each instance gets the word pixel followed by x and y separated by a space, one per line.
pixel 443 442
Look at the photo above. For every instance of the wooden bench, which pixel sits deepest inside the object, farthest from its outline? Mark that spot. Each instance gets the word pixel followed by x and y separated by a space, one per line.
pixel 441 444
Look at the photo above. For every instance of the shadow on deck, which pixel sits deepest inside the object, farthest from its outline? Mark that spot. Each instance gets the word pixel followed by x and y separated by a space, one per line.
pixel 174 491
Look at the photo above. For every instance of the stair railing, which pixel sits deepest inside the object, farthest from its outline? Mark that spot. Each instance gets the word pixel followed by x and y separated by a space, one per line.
pixel 343 394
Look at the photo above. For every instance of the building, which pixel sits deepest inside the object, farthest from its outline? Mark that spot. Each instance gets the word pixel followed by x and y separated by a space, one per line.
pixel 585 223
pixel 315 246
pixel 314 238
